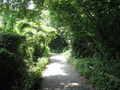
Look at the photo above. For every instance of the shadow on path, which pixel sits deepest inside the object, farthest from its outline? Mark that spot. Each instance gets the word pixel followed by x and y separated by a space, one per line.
pixel 59 75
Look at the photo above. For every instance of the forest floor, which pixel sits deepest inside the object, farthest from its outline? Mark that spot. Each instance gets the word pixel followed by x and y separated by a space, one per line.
pixel 60 75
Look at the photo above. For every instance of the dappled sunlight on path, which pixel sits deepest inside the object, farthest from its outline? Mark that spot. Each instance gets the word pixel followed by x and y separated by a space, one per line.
pixel 59 75
pixel 56 67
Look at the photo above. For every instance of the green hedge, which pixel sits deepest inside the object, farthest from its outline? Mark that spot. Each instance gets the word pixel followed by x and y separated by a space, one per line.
pixel 21 60
pixel 12 66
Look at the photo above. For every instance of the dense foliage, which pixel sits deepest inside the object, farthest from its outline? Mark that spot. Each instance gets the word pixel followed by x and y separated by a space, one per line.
pixel 23 44
pixel 12 66
pixel 94 27
pixel 31 29
pixel 99 72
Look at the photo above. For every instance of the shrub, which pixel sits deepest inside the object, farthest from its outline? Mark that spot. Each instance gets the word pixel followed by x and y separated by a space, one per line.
pixel 10 41
pixel 104 75
pixel 58 44
pixel 20 52
pixel 84 46
pixel 12 66
pixel 34 74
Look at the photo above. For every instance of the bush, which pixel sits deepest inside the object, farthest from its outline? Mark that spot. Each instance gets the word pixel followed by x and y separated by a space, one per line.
pixel 58 44
pixel 12 66
pixel 10 41
pixel 84 46
pixel 20 62
pixel 103 74
pixel 20 52
pixel 34 74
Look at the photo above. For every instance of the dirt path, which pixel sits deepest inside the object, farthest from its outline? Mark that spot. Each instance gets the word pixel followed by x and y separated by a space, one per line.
pixel 59 75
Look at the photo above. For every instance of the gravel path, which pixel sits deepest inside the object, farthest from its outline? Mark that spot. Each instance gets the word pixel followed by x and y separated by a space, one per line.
pixel 59 75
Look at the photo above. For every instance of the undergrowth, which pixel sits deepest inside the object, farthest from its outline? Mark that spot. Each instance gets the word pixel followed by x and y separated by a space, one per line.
pixel 34 73
pixel 103 74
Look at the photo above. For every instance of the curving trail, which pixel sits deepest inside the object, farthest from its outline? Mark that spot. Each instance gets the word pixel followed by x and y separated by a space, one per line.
pixel 59 75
